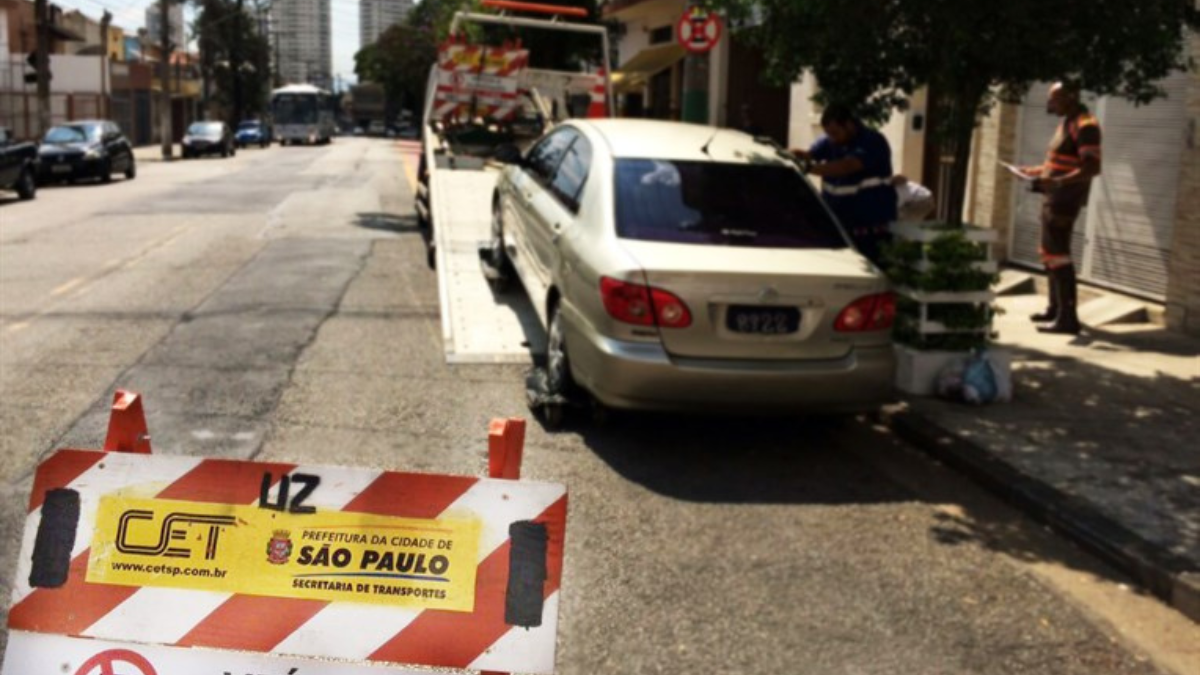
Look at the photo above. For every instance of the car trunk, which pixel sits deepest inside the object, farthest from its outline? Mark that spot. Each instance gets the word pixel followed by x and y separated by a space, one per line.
pixel 757 303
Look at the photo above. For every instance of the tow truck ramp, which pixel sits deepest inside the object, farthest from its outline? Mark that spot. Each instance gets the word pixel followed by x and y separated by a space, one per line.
pixel 477 325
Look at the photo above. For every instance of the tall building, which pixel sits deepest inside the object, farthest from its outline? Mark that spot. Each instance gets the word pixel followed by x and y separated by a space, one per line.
pixel 302 40
pixel 375 16
pixel 175 16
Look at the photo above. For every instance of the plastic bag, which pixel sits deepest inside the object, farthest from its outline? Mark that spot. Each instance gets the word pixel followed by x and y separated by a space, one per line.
pixel 977 380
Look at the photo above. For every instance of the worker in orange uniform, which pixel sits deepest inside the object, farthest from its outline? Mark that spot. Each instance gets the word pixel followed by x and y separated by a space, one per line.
pixel 1072 161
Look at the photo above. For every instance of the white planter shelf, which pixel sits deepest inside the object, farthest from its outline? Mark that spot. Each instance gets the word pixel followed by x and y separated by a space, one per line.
pixel 946 297
pixel 917 370
pixel 923 233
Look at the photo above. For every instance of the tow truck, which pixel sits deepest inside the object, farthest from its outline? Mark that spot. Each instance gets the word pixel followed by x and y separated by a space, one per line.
pixel 484 106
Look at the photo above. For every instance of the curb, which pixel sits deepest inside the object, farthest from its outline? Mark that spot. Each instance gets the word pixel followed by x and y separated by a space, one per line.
pixel 1168 576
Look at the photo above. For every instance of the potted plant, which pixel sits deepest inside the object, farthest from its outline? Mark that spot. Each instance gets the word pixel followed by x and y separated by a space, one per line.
pixel 943 275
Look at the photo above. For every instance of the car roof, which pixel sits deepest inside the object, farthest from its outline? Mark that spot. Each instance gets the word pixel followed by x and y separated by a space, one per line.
pixel 656 139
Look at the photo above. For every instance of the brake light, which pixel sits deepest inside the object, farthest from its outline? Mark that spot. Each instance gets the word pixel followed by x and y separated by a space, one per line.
pixel 642 305
pixel 869 313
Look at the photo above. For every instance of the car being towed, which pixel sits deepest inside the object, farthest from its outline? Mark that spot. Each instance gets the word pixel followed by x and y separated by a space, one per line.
pixel 85 149
pixel 683 267
pixel 208 138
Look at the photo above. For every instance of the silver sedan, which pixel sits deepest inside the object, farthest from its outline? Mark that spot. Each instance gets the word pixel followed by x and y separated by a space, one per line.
pixel 682 267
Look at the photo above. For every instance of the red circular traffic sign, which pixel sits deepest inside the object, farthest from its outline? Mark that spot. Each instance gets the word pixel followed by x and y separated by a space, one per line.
pixel 104 664
pixel 698 30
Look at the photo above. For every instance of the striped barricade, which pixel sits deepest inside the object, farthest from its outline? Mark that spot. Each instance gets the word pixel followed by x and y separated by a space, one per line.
pixel 179 565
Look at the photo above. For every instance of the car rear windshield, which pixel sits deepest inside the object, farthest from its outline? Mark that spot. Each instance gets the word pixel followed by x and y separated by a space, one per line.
pixel 205 129
pixel 248 126
pixel 72 134
pixel 765 206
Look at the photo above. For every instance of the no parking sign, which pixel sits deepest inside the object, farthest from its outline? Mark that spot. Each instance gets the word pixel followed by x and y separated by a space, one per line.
pixel 698 30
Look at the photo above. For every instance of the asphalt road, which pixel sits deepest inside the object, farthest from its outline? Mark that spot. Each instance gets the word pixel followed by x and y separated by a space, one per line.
pixel 277 306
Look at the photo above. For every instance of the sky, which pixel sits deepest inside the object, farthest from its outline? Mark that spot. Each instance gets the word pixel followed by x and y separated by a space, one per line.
pixel 131 15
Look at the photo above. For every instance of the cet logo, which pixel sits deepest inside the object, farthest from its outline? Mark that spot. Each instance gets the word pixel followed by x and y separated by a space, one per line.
pixel 116 662
pixel 279 549
pixel 198 533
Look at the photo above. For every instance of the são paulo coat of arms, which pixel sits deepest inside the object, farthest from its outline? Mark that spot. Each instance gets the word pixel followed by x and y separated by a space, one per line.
pixel 279 549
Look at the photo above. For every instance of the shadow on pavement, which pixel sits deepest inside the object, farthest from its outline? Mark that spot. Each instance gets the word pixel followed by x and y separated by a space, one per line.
pixel 742 459
pixel 387 222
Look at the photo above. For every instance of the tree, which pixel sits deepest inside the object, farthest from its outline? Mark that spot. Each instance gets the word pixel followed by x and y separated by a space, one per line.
pixel 236 56
pixel 873 54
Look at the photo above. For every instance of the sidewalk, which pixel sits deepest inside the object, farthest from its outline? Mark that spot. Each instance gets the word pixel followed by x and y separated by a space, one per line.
pixel 153 153
pixel 1101 441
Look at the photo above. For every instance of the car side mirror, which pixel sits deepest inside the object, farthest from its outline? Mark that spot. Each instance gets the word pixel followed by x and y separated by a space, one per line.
pixel 509 154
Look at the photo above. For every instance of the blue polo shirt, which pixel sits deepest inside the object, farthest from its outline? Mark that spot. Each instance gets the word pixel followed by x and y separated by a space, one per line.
pixel 865 198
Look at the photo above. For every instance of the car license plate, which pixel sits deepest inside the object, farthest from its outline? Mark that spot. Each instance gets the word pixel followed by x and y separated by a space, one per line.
pixel 61 168
pixel 763 320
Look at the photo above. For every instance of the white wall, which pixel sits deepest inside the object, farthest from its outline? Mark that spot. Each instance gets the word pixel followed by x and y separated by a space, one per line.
pixel 77 75
pixel 908 145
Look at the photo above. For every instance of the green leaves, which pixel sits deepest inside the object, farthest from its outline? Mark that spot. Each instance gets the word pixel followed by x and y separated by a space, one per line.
pixel 873 54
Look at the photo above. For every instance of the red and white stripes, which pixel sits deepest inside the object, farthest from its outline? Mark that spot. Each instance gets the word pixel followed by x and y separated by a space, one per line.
pixel 287 626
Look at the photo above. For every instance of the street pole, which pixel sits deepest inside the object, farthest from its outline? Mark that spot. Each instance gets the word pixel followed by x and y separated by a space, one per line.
pixel 164 78
pixel 42 58
pixel 695 86
pixel 235 63
pixel 105 22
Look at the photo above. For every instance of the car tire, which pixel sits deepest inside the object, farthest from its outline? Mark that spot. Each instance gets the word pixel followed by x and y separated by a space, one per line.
pixel 26 185
pixel 131 172
pixel 225 152
pixel 558 374
pixel 106 170
pixel 497 255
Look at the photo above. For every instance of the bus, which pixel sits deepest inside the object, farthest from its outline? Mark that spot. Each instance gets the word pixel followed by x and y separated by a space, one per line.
pixel 303 114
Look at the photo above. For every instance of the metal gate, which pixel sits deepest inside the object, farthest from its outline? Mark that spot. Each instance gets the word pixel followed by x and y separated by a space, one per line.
pixel 1122 239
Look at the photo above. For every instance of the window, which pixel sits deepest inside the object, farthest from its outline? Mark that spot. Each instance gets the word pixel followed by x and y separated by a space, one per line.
pixel 572 173
pixel 545 156
pixel 662 35
pixel 720 204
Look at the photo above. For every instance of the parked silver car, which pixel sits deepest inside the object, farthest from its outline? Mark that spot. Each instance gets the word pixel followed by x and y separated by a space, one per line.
pixel 682 267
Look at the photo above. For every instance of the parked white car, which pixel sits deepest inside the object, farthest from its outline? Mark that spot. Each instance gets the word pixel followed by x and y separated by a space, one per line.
pixel 683 267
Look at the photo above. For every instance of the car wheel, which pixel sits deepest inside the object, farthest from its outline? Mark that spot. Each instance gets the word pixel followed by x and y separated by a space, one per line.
pixel 558 374
pixel 131 172
pixel 224 152
pixel 26 185
pixel 106 171
pixel 498 256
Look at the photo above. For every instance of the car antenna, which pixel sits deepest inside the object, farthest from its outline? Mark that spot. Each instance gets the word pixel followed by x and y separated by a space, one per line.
pixel 704 148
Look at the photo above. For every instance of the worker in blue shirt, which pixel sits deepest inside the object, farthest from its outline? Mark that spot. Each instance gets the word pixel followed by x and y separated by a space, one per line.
pixel 855 166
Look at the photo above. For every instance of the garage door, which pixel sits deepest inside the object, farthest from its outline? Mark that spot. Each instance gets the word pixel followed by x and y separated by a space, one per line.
pixel 1122 239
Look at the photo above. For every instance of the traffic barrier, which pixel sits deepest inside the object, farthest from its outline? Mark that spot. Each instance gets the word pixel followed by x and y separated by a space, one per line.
pixel 136 560
pixel 599 105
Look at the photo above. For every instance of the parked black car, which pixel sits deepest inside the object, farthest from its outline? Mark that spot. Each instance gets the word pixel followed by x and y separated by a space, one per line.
pixel 85 149
pixel 18 166
pixel 208 138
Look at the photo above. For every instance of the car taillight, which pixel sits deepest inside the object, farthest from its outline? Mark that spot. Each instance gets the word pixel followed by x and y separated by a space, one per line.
pixel 869 313
pixel 642 305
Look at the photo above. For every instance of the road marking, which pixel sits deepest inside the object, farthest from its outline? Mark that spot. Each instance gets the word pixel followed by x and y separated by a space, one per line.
pixel 66 288
pixel 80 284
pixel 409 172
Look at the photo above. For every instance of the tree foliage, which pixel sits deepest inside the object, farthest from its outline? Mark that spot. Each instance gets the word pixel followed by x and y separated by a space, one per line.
pixel 233 49
pixel 873 54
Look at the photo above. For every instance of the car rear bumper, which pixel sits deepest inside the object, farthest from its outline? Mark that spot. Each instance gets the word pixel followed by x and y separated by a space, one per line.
pixel 49 171
pixel 637 375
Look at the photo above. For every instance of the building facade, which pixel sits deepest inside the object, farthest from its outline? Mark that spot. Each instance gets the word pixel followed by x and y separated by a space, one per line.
pixel 1140 231
pixel 302 41
pixel 178 30
pixel 376 16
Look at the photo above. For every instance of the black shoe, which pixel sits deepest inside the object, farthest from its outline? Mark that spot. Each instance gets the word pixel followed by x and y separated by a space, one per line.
pixel 1062 328
pixel 1050 314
